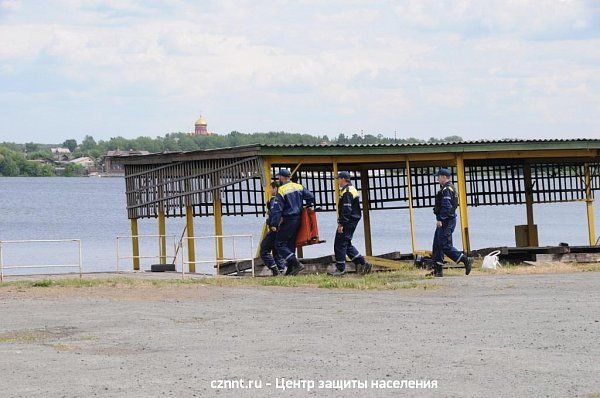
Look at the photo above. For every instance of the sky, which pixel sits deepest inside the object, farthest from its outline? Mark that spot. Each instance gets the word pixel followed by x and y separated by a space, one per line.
pixel 479 69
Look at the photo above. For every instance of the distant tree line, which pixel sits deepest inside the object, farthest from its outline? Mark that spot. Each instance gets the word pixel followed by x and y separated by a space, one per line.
pixel 15 163
pixel 16 159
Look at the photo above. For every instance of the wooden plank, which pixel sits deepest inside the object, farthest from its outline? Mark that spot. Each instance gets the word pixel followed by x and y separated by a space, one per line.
pixel 584 249
pixel 570 258
pixel 384 263
pixel 397 256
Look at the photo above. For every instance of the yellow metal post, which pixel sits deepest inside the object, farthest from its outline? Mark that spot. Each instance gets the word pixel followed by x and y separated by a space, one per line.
pixel 411 211
pixel 364 190
pixel 589 203
pixel 267 179
pixel 462 202
pixel 218 224
pixel 531 238
pixel 299 250
pixel 135 244
pixel 162 231
pixel 191 243
pixel 336 186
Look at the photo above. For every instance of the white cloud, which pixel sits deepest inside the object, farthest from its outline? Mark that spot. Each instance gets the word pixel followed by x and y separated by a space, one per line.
pixel 9 5
pixel 527 18
pixel 518 59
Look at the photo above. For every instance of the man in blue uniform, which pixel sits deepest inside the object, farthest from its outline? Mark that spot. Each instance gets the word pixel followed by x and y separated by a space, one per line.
pixel 268 253
pixel 446 202
pixel 348 217
pixel 292 197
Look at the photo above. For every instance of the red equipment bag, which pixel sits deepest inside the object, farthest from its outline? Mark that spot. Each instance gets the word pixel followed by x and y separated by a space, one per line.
pixel 308 234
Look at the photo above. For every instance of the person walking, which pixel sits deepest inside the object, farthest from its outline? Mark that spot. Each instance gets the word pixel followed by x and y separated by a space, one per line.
pixel 292 196
pixel 349 214
pixel 446 202
pixel 268 254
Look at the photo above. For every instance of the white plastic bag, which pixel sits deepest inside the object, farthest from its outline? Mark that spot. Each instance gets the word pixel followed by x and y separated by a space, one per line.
pixel 491 260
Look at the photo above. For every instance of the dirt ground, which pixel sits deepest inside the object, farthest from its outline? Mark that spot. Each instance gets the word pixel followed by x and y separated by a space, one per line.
pixel 492 336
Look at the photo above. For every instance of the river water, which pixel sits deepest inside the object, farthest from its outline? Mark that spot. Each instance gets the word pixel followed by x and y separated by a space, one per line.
pixel 93 210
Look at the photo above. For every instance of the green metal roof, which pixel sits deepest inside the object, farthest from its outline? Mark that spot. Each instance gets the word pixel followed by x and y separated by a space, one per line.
pixel 449 147
pixel 365 149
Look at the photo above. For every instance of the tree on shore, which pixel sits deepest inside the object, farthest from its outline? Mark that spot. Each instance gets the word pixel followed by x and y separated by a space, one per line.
pixel 71 144
pixel 13 164
pixel 186 142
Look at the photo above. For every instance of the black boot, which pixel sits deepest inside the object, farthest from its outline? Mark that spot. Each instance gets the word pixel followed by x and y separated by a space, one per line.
pixel 362 266
pixel 366 268
pixel 439 270
pixel 468 262
pixel 275 271
pixel 340 269
pixel 294 267
pixel 429 265
pixel 297 269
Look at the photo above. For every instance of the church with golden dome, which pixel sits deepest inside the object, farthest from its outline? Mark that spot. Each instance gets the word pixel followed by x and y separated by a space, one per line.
pixel 201 127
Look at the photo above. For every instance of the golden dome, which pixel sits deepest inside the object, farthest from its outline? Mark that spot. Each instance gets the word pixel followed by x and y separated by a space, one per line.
pixel 201 121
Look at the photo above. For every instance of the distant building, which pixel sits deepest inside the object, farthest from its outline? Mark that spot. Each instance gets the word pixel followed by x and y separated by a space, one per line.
pixel 86 162
pixel 61 154
pixel 201 127
pixel 111 168
pixel 56 151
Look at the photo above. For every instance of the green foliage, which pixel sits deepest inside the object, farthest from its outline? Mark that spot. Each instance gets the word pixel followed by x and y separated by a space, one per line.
pixel 14 164
pixel 186 142
pixel 71 144
pixel 73 170
pixel 42 283
pixel 34 169
pixel 32 147
pixel 452 138
pixel 12 146
pixel 39 155
pixel 8 166
pixel 88 143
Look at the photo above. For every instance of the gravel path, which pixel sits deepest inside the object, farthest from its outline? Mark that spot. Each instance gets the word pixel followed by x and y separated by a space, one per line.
pixel 488 336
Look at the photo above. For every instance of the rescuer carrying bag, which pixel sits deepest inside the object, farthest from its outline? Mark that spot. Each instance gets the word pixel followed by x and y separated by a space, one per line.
pixel 308 234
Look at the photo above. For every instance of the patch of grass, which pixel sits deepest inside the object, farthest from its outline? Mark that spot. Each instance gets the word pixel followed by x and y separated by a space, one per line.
pixel 382 281
pixel 542 268
pixel 42 283
pixel 73 282
pixel 405 276
pixel 64 347
pixel 594 267
pixel 90 338
pixel 20 337
pixel 30 336
pixel 400 279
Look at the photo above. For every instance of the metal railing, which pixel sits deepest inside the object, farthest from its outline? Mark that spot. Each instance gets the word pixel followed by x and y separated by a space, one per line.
pixel 218 261
pixel 160 248
pixel 79 265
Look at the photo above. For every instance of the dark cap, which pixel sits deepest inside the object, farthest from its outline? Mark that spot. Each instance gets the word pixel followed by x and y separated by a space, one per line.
pixel 344 174
pixel 283 173
pixel 443 172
